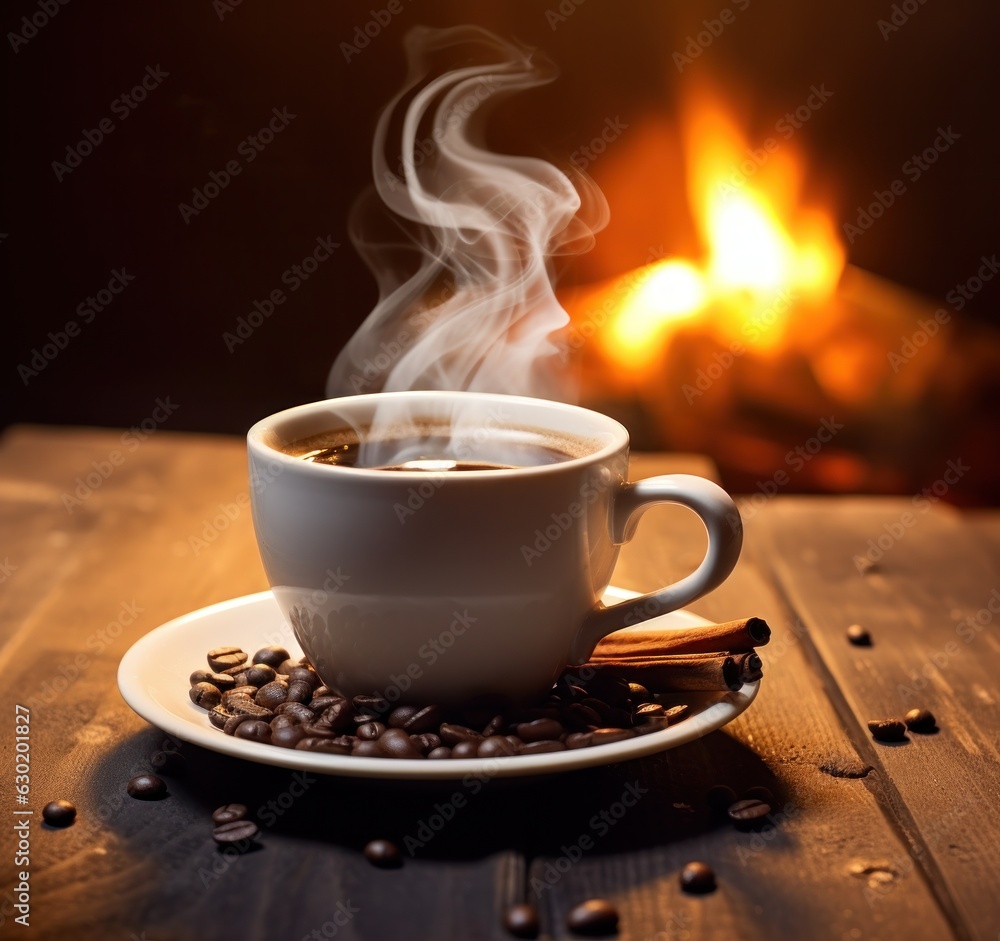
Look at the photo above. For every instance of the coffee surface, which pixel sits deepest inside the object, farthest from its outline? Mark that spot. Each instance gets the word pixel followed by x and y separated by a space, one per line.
pixel 434 453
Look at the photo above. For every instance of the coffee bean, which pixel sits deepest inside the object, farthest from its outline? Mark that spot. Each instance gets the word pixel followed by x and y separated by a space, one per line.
pixel 59 813
pixel 282 722
pixel 247 707
pixel 227 813
pixel 240 670
pixel 859 636
pixel 326 745
pixel 365 749
pixel 401 715
pixel 496 746
pixel 759 793
pixel 424 720
pixel 271 695
pixel 235 831
pixel 286 667
pixel 254 730
pixel 205 695
pixel 219 716
pixel 383 853
pixel 442 751
pixel 298 691
pixel 747 811
pixel 224 658
pixel 305 675
pixel 395 743
pixel 648 710
pixel 289 736
pixel 272 656
pixel 651 725
pixel 323 691
pixel 466 748
pixel 373 704
pixel 239 692
pixel 260 674
pixel 494 726
pixel 920 720
pixel 336 716
pixel 369 731
pixel 541 748
pixel 600 707
pixel 522 921
pixel 296 710
pixel 676 713
pixel 887 730
pixel 234 722
pixel 607 736
pixel 539 730
pixel 201 676
pixel 146 787
pixel 426 741
pixel 319 704
pixel 720 797
pixel 452 734
pixel 580 714
pixel 593 918
pixel 578 740
pixel 611 689
pixel 698 878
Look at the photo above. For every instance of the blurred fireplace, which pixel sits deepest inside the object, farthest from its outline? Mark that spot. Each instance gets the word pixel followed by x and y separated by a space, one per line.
pixel 760 348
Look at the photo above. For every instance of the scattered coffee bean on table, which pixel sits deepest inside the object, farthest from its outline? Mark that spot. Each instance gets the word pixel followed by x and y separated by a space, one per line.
pixel 920 720
pixel 522 920
pixel 593 918
pixel 887 730
pixel 698 878
pixel 59 813
pixel 227 813
pixel 759 793
pixel 147 787
pixel 286 705
pixel 235 831
pixel 383 853
pixel 859 636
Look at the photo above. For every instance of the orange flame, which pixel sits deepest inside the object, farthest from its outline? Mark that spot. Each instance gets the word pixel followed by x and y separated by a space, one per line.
pixel 761 243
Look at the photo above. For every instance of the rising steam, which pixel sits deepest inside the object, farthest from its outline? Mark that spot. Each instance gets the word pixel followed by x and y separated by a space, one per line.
pixel 461 239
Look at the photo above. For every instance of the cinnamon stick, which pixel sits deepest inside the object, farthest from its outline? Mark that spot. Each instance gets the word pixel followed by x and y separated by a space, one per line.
pixel 694 672
pixel 658 642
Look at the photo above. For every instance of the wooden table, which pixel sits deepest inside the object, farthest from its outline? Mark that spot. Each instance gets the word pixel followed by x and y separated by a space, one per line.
pixel 870 841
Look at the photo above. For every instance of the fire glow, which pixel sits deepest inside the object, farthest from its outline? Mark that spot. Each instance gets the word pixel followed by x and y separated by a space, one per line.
pixel 764 248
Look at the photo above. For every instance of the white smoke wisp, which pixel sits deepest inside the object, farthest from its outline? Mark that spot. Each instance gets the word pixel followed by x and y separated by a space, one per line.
pixel 466 298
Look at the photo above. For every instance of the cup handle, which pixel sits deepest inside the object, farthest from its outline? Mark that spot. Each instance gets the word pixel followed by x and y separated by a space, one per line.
pixel 725 538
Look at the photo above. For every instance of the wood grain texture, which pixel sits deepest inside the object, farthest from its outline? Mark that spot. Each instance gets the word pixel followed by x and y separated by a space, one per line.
pixel 932 605
pixel 830 866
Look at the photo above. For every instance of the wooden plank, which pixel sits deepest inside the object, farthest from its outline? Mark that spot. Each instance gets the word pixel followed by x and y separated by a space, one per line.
pixel 931 605
pixel 129 867
pixel 834 867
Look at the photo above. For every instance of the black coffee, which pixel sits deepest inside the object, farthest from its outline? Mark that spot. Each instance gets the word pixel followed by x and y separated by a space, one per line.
pixel 433 453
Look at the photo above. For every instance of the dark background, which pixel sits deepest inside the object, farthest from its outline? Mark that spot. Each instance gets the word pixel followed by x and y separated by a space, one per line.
pixel 163 336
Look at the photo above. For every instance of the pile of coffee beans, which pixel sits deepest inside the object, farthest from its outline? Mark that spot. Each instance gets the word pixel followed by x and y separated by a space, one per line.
pixel 272 699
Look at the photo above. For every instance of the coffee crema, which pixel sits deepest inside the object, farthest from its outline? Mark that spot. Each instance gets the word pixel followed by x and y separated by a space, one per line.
pixel 435 452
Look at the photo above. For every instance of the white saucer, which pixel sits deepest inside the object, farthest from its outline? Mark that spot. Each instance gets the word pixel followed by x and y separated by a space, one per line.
pixel 153 676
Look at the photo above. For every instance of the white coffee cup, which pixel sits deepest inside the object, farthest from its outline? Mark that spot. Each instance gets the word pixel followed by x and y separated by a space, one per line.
pixel 441 587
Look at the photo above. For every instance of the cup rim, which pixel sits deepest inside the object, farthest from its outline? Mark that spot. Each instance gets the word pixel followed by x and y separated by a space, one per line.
pixel 620 438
